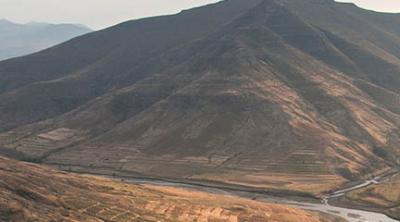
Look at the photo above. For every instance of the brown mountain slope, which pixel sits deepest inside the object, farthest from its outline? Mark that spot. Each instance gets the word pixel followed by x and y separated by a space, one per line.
pixel 92 64
pixel 273 95
pixel 32 193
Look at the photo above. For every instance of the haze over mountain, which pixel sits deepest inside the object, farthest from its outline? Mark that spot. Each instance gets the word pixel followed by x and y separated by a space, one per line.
pixel 22 39
pixel 272 94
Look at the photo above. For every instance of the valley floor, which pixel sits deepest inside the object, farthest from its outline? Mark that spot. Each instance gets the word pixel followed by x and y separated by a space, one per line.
pixel 29 192
pixel 381 197
pixel 330 204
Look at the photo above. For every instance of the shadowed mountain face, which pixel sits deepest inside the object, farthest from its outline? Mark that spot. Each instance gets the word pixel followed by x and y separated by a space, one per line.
pixel 296 95
pixel 22 39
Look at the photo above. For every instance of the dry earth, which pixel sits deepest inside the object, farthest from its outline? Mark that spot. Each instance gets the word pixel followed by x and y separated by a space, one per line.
pixel 34 193
pixel 384 197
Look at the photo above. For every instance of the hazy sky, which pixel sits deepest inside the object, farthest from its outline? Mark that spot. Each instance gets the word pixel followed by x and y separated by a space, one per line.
pixel 102 13
pixel 377 5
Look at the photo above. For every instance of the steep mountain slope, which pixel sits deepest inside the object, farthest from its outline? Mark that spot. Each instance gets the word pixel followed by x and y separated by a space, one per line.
pixel 96 62
pixel 267 93
pixel 32 193
pixel 22 39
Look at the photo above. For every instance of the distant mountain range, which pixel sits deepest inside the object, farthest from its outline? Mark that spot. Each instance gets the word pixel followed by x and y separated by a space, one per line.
pixel 276 94
pixel 22 39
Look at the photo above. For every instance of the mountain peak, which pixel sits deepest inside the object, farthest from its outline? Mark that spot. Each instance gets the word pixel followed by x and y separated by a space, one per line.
pixel 234 92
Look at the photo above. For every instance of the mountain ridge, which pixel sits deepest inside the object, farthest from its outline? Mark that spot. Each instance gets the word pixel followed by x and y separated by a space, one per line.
pixel 270 94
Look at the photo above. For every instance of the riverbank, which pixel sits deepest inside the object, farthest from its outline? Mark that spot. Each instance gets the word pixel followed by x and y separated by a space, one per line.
pixel 371 195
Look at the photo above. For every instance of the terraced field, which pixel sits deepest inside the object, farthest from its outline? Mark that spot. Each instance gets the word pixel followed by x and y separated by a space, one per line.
pixel 42 144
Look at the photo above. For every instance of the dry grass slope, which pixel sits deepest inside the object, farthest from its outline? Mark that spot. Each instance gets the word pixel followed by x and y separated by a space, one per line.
pixel 30 193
